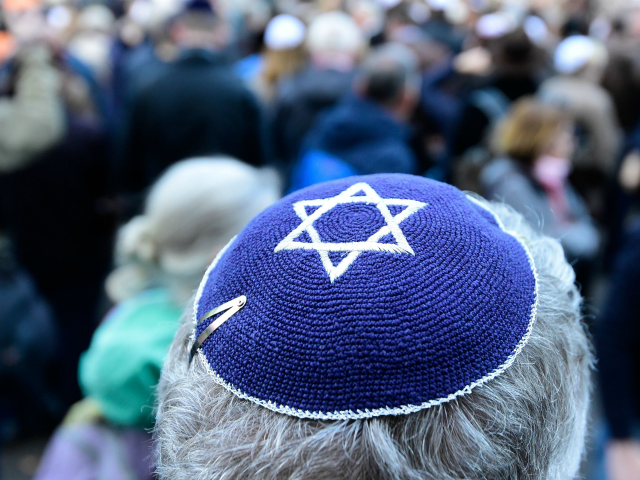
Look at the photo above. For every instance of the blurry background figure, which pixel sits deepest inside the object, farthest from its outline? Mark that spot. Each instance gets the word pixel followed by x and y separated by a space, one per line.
pixel 369 15
pixel 53 210
pixel 366 132
pixel 7 42
pixel 537 144
pixel 92 41
pixel 251 18
pixel 52 175
pixel 621 77
pixel 616 454
pixel 28 345
pixel 141 49
pixel 439 27
pixel 335 44
pixel 580 61
pixel 191 213
pixel 284 54
pixel 197 106
pixel 512 72
pixel 32 118
pixel 617 339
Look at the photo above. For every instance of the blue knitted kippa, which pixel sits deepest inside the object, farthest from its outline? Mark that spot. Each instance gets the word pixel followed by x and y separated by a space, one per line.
pixel 366 296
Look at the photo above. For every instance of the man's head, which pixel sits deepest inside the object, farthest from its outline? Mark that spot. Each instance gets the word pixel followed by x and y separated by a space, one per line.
pixel 198 26
pixel 335 41
pixel 389 76
pixel 379 327
pixel 190 214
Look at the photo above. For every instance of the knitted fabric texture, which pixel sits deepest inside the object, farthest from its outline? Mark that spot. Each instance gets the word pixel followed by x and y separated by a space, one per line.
pixel 366 296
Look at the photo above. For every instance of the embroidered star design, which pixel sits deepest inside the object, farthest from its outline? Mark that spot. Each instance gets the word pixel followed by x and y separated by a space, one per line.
pixel 354 248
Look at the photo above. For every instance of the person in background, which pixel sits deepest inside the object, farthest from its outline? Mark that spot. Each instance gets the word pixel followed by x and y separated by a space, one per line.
pixel 197 106
pixel 32 119
pixel 580 62
pixel 7 42
pixel 616 452
pixel 367 131
pixel 617 337
pixel 621 76
pixel 52 206
pixel 514 67
pixel 92 41
pixel 284 54
pixel 440 28
pixel 335 44
pixel 536 143
pixel 29 404
pixel 191 213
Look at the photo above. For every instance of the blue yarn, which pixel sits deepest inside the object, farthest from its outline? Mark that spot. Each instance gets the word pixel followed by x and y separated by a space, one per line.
pixel 395 329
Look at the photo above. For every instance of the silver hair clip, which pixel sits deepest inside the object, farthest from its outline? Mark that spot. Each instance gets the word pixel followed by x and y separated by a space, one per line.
pixel 230 308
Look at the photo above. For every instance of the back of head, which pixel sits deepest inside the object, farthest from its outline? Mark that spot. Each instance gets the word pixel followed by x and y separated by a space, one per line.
pixel 199 26
pixel 515 55
pixel 192 211
pixel 379 327
pixel 334 33
pixel 387 73
pixel 528 130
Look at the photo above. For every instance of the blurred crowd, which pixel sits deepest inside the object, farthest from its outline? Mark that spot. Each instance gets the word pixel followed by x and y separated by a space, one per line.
pixel 137 137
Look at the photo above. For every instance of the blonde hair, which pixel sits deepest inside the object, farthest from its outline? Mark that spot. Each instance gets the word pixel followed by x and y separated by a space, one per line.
pixel 278 63
pixel 528 130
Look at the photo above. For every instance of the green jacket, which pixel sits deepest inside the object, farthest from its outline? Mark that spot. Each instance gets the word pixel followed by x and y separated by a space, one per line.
pixel 122 366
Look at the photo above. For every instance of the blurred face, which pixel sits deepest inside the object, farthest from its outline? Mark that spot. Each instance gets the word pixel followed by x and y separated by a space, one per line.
pixel 564 143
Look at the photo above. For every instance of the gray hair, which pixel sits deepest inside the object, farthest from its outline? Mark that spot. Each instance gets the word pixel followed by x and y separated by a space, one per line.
pixel 334 32
pixel 192 211
pixel 529 422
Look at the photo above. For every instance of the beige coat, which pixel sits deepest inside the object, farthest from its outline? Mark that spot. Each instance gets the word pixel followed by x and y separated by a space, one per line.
pixel 32 120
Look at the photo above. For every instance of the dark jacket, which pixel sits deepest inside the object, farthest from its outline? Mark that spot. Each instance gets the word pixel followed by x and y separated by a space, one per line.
pixel 198 106
pixel 61 223
pixel 617 341
pixel 300 98
pixel 54 210
pixel 363 135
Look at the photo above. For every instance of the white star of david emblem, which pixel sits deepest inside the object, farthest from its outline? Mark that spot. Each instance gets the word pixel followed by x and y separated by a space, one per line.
pixel 354 248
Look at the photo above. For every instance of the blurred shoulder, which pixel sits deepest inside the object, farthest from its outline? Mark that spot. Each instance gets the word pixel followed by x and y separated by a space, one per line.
pixel 149 306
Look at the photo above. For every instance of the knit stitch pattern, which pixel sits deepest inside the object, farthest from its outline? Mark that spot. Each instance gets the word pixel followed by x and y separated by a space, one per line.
pixel 398 330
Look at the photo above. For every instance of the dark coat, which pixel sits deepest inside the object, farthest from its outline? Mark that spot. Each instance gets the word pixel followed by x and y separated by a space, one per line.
pixel 54 210
pixel 365 136
pixel 617 342
pixel 197 107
